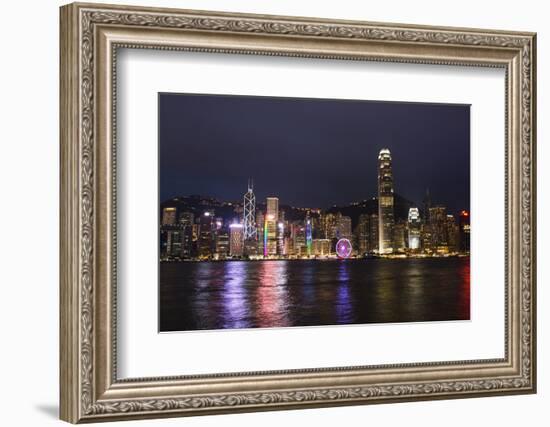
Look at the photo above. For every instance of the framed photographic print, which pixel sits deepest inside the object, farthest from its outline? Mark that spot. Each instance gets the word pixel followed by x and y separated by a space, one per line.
pixel 285 247
pixel 264 212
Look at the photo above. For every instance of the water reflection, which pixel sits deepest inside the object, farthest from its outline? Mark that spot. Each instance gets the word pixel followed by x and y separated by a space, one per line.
pixel 272 294
pixel 343 307
pixel 204 308
pixel 241 294
pixel 465 290
pixel 415 291
pixel 235 298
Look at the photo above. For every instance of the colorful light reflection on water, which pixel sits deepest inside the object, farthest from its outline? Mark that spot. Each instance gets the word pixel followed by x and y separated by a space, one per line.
pixel 273 293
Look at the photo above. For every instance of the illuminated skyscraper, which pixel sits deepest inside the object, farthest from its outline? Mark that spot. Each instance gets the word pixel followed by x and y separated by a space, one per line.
pixel 362 234
pixel 298 238
pixel 414 229
pixel 320 247
pixel 464 231
pixel 438 225
pixel 270 228
pixel 309 235
pixel 399 236
pixel 328 225
pixel 249 213
pixel 236 241
pixel 207 234
pixel 168 216
pixel 426 238
pixel 186 221
pixel 281 238
pixel 452 234
pixel 373 234
pixel 260 221
pixel 273 207
pixel 385 201
pixel 343 227
pixel 222 243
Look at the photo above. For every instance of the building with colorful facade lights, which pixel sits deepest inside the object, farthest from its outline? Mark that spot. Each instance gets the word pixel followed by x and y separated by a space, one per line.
pixel 218 230
pixel 265 239
pixel 309 236
pixel 385 202
pixel 260 224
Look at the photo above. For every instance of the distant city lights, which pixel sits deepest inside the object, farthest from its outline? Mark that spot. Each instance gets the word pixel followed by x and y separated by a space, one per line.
pixel 362 230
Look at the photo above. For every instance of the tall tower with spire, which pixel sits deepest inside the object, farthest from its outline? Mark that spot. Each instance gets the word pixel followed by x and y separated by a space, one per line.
pixel 249 213
pixel 385 202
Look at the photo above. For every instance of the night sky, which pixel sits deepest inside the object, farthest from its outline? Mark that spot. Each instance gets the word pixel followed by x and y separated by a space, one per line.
pixel 311 152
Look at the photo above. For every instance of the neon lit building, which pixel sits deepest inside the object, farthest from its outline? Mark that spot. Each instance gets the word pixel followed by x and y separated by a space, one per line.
pixel 270 229
pixel 309 236
pixel 414 229
pixel 260 224
pixel 265 239
pixel 385 202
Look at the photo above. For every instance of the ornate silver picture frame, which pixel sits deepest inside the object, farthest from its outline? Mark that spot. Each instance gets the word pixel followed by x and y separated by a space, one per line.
pixel 91 35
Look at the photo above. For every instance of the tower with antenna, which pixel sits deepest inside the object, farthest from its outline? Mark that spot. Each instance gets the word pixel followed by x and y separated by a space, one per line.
pixel 385 202
pixel 249 213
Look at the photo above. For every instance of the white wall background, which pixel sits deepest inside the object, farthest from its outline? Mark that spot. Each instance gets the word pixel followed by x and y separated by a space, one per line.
pixel 29 170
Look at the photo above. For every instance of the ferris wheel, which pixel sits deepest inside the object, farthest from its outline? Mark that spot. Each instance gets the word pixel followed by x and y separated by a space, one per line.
pixel 343 248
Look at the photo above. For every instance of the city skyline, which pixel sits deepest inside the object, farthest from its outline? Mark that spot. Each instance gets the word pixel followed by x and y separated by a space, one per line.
pixel 326 148
pixel 253 233
pixel 278 212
